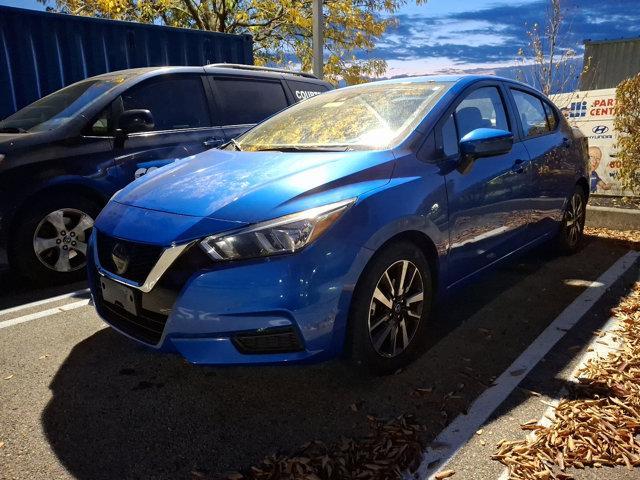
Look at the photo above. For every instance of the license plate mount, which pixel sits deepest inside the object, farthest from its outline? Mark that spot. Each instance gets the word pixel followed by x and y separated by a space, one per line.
pixel 120 295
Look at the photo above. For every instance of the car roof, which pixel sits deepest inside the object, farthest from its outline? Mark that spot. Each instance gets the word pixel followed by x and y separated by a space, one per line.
pixel 220 69
pixel 461 80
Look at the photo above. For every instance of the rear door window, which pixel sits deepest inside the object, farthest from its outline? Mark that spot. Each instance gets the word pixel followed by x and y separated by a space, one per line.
pixel 552 120
pixel 304 90
pixel 176 101
pixel 244 101
pixel 482 108
pixel 531 112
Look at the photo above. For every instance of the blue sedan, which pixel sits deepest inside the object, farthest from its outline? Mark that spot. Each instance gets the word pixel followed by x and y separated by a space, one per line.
pixel 332 227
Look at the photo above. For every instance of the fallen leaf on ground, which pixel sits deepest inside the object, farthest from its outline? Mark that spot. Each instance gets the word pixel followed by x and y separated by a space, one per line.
pixel 597 422
pixel 444 474
pixel 392 447
pixel 627 238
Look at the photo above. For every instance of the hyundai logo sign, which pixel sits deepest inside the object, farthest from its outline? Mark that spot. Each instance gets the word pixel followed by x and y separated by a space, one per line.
pixel 600 129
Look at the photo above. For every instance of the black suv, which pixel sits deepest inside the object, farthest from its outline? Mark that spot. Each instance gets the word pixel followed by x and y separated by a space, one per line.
pixel 64 156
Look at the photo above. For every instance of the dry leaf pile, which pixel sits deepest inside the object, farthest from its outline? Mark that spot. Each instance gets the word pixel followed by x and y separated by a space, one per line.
pixel 628 238
pixel 597 423
pixel 389 450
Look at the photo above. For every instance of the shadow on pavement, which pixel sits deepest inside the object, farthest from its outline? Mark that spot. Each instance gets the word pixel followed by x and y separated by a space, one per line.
pixel 16 291
pixel 121 411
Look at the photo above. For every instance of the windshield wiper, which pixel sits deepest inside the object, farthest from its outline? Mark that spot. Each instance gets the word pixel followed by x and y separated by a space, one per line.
pixel 12 130
pixel 235 144
pixel 319 148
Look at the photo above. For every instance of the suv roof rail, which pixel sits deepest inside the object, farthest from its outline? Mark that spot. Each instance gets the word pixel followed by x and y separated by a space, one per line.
pixel 263 69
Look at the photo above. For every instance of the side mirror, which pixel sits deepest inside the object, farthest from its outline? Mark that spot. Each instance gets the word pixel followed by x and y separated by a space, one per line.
pixel 139 120
pixel 486 142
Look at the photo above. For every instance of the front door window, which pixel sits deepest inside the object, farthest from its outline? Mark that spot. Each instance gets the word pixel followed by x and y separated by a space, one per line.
pixel 176 102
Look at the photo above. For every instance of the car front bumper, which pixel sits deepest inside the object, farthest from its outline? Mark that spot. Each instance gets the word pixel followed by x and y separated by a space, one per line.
pixel 284 309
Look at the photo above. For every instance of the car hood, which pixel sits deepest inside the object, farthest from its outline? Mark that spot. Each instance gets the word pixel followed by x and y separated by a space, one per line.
pixel 9 140
pixel 248 187
pixel 19 142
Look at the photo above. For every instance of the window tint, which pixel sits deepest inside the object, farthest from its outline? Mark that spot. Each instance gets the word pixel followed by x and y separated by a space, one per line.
pixel 175 102
pixel 482 108
pixel 248 101
pixel 551 116
pixel 531 112
pixel 449 137
pixel 304 90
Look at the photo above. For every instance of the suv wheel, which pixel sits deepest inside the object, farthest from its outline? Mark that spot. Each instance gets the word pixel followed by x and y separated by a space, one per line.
pixel 49 242
pixel 390 309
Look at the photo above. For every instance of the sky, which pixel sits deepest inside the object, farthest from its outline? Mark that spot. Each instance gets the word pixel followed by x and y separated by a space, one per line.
pixel 464 35
pixel 482 35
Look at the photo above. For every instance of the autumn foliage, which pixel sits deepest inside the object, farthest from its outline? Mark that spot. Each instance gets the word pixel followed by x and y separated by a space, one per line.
pixel 281 29
pixel 627 125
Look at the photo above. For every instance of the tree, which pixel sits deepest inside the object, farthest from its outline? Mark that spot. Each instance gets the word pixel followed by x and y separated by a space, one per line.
pixel 547 63
pixel 627 126
pixel 281 29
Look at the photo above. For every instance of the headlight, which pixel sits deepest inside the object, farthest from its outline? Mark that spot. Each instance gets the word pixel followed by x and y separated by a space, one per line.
pixel 282 235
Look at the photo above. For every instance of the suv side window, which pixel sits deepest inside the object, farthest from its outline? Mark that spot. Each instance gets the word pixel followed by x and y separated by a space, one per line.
pixel 304 90
pixel 244 101
pixel 101 125
pixel 175 101
pixel 532 113
pixel 482 108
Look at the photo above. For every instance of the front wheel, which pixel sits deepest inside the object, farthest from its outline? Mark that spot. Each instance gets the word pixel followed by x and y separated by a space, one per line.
pixel 390 309
pixel 49 241
pixel 571 233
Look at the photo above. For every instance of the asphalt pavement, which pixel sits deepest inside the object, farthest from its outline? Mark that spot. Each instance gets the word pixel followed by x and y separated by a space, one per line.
pixel 80 401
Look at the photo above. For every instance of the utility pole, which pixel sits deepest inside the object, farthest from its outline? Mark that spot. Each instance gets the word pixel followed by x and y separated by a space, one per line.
pixel 318 38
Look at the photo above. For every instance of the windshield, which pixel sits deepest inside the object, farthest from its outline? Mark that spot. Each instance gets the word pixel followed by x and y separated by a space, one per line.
pixel 56 109
pixel 366 117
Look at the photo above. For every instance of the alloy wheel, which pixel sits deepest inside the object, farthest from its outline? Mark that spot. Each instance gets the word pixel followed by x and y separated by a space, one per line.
pixel 60 240
pixel 395 309
pixel 575 218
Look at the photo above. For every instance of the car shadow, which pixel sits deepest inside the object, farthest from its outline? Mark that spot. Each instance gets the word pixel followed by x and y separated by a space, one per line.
pixel 16 291
pixel 119 410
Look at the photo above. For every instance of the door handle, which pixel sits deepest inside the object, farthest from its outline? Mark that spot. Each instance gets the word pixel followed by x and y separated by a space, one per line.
pixel 212 142
pixel 518 166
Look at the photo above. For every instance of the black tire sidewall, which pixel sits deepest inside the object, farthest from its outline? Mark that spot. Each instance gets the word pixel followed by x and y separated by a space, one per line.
pixel 563 244
pixel 22 256
pixel 361 350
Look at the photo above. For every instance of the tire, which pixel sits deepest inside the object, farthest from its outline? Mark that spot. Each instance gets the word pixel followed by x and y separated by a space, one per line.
pixel 381 312
pixel 48 238
pixel 570 236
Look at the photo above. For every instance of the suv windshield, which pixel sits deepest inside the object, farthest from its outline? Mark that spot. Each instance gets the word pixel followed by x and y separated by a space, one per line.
pixel 365 117
pixel 56 109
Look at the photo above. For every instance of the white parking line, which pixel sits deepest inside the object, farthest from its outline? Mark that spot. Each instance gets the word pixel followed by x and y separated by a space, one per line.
pixel 44 313
pixel 451 439
pixel 77 293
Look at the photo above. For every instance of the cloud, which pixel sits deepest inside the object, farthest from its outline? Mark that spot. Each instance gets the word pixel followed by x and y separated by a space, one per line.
pixel 493 35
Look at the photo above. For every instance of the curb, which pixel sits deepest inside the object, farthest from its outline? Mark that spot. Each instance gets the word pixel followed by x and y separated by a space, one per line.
pixel 614 218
